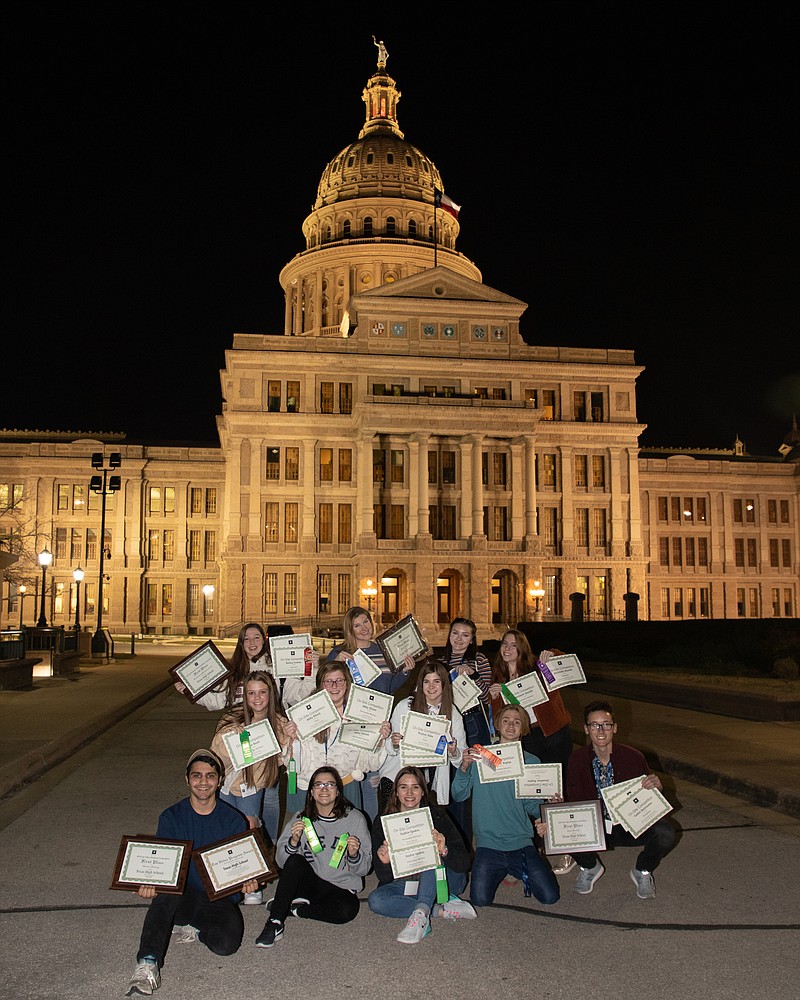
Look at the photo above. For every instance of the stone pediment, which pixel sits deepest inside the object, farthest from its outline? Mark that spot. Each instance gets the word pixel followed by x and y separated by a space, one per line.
pixel 442 285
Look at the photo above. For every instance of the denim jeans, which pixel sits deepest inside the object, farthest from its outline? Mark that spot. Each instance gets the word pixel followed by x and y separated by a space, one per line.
pixel 490 867
pixel 265 804
pixel 390 899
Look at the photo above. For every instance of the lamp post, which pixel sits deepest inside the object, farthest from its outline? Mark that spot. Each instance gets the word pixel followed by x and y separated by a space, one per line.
pixel 536 594
pixel 208 594
pixel 104 487
pixel 22 589
pixel 45 558
pixel 369 591
pixel 77 576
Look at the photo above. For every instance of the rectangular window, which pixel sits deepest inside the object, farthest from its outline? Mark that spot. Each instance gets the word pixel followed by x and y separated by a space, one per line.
pixel 63 499
pixel 738 552
pixel 273 396
pixel 326 523
pixel 548 469
pixel 772 512
pixel 271 593
pixel 169 499
pixel 196 500
pixel 688 509
pixel 378 465
pixel 169 546
pixel 702 552
pixel 662 509
pixel 91 544
pixel 211 501
pixel 326 465
pixel 398 467
pixel 166 599
pixel 784 511
pixel 210 546
pixel 774 553
pixel 549 517
pixel 290 522
pixel 345 465
pixel 433 468
pixel 663 551
pixel 548 404
pixel 290 593
pixel 701 510
pixel 379 520
pixel 499 469
pixel 752 552
pixel 485 468
pixel 193 600
pixel 448 467
pixel 155 500
pixel 154 546
pixel 750 511
pixel 152 600
pixel 482 392
pixel 345 523
pixel 292 464
pixel 786 552
pixel 598 472
pixel 500 516
pixel 738 512
pixel 665 602
pixel 271 515
pixel 292 405
pixel 324 593
pixel 579 405
pixel 688 551
pixel 345 397
pixel 61 543
pixel 581 471
pixel 11 496
pixel 597 406
pixel 677 552
pixel 582 526
pixel 194 545
pixel 599 533
pixel 398 520
pixel 272 470
pixel 344 593
pixel 326 397
pixel 753 599
pixel 79 498
pixel 498 393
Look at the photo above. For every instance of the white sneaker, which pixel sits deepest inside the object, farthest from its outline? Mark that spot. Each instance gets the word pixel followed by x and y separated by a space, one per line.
pixel 252 898
pixel 184 934
pixel 457 909
pixel 145 979
pixel 417 928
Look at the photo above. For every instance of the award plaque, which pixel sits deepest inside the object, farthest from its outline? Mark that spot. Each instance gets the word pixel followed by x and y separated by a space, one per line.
pixel 401 640
pixel 228 863
pixel 201 671
pixel 573 827
pixel 162 864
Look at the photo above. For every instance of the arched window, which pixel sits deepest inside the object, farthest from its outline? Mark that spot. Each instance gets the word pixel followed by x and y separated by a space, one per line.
pixel 346 228
pixel 391 226
pixel 368 226
pixel 390 158
pixel 412 227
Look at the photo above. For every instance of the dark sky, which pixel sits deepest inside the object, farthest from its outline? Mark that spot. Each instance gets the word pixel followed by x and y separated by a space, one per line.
pixel 627 169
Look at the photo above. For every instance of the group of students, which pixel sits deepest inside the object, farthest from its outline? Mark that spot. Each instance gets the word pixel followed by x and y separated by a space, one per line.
pixel 482 831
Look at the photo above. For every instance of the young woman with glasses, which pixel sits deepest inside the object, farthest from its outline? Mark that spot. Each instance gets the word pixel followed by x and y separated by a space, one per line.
pixel 327 749
pixel 310 887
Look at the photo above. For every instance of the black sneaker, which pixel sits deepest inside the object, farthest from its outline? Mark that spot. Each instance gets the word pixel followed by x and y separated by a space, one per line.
pixel 272 934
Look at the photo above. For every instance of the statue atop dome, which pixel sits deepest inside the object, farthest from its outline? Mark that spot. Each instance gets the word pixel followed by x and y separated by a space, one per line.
pixel 383 54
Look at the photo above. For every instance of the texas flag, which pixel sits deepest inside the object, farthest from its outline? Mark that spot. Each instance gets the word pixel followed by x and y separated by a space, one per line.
pixel 440 200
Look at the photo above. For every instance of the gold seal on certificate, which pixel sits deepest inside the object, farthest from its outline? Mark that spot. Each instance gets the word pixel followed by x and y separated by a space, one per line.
pixel 409 837
pixel 225 865
pixel 539 781
pixel 313 715
pixel 573 826
pixel 402 640
pixel 162 864
pixel 201 670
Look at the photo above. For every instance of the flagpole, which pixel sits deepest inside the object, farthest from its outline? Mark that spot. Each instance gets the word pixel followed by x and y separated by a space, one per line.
pixel 435 240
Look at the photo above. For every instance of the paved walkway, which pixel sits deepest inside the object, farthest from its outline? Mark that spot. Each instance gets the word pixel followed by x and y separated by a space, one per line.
pixel 756 761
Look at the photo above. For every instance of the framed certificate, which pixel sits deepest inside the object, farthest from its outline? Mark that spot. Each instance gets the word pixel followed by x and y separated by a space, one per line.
pixel 291 655
pixel 560 671
pixel 362 735
pixel 225 865
pixel 511 766
pixel 366 705
pixel 401 640
pixel 573 826
pixel 162 864
pixel 466 693
pixel 527 690
pixel 409 837
pixel 263 744
pixel 539 781
pixel 201 671
pixel 313 715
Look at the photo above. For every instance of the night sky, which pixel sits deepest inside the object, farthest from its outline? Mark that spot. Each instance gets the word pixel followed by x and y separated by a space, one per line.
pixel 627 169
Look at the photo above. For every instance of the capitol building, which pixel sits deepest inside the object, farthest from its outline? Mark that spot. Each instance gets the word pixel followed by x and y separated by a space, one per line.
pixel 395 443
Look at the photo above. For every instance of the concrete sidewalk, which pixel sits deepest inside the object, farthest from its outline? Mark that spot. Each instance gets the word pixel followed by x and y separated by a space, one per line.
pixel 755 761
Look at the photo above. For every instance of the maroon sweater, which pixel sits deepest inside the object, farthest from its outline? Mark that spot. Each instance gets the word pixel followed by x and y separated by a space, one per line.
pixel 628 763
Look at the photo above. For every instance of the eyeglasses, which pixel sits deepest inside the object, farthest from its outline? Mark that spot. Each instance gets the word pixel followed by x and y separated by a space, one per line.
pixel 600 726
pixel 324 784
pixel 334 682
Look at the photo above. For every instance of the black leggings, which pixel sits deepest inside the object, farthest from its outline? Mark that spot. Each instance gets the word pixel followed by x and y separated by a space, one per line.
pixel 327 902
pixel 220 923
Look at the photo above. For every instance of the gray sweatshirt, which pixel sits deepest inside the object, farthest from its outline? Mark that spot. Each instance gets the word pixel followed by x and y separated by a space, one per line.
pixel 351 871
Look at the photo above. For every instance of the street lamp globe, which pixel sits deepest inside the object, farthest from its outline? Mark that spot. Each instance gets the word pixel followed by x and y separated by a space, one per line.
pixel 45 557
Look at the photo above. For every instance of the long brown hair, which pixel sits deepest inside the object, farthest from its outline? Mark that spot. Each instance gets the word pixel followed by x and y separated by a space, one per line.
pixel 341 807
pixel 241 715
pixel 240 661
pixel 430 665
pixel 393 802
pixel 526 661
pixel 350 616
pixel 325 668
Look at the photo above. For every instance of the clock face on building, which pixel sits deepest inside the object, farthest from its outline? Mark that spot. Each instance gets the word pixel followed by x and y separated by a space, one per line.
pixel 429 330
pixel 449 331
pixel 398 329
pixel 499 333
pixel 479 332
pixel 377 329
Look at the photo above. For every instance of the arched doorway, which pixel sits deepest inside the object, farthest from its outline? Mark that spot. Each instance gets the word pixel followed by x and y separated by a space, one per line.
pixel 449 596
pixel 505 602
pixel 393 595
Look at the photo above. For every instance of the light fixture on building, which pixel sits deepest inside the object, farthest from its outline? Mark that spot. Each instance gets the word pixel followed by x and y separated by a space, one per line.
pixel 45 558
pixel 369 592
pixel 22 590
pixel 536 593
pixel 77 576
pixel 104 486
pixel 208 594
